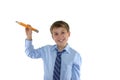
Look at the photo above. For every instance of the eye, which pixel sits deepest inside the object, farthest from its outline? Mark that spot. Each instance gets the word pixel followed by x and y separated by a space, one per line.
pixel 55 34
pixel 63 32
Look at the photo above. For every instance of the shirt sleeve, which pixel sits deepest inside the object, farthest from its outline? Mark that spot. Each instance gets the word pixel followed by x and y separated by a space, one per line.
pixel 31 52
pixel 76 68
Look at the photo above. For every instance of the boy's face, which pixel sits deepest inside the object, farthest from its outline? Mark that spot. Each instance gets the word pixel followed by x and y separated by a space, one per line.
pixel 60 36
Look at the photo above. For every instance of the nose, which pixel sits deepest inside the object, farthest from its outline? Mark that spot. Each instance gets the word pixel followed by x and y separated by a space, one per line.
pixel 60 36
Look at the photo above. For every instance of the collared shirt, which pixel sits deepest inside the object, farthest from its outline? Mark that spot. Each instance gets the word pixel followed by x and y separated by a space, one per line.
pixel 70 60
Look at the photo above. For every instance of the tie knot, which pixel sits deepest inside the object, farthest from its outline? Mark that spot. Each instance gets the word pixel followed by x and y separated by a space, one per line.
pixel 60 53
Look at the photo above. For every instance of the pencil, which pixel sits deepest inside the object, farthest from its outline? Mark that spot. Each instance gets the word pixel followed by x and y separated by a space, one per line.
pixel 27 26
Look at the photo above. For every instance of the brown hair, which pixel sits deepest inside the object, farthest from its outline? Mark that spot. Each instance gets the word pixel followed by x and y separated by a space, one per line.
pixel 58 24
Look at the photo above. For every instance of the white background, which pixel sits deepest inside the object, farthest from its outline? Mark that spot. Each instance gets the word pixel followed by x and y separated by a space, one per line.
pixel 95 33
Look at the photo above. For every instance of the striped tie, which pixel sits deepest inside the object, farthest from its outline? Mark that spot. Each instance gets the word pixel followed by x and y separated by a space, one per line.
pixel 57 67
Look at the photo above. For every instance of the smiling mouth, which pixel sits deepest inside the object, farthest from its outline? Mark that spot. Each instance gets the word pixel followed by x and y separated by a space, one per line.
pixel 61 40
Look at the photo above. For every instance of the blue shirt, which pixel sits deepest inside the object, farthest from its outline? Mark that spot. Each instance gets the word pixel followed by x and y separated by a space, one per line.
pixel 70 64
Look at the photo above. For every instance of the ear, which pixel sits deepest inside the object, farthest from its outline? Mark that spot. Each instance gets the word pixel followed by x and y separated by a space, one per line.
pixel 69 34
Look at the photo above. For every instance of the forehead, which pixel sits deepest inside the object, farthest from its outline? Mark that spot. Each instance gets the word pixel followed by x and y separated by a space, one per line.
pixel 59 29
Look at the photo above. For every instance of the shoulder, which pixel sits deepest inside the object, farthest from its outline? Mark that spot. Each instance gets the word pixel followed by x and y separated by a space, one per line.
pixel 48 47
pixel 74 52
pixel 76 57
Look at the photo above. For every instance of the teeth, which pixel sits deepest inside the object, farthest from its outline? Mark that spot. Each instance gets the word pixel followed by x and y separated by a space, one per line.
pixel 60 40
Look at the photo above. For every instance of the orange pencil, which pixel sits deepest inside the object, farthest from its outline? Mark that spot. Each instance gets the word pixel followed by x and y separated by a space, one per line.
pixel 27 26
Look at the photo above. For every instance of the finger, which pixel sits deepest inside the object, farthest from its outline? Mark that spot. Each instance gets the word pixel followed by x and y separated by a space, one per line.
pixel 26 29
pixel 29 26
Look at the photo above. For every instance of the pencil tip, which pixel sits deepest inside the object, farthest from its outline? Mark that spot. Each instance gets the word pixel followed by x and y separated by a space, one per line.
pixel 36 31
pixel 16 21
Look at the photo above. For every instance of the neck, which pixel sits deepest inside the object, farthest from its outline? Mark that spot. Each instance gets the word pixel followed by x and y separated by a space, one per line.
pixel 60 48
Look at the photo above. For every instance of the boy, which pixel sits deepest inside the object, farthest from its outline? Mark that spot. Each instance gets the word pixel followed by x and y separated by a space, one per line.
pixel 61 62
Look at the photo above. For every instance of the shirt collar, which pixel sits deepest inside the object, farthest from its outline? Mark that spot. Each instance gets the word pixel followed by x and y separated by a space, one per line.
pixel 66 48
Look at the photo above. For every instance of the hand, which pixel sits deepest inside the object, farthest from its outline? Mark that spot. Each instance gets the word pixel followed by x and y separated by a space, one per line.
pixel 29 32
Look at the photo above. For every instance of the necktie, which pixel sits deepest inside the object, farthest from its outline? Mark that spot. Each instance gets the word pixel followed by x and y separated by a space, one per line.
pixel 57 67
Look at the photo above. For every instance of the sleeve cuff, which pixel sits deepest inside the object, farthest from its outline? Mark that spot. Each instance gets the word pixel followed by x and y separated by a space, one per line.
pixel 28 42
